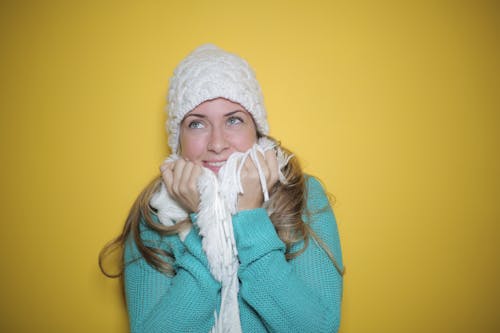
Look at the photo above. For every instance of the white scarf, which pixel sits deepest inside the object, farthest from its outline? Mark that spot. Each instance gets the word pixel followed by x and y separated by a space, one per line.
pixel 218 202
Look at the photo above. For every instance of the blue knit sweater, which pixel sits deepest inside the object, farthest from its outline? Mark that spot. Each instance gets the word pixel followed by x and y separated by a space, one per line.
pixel 276 295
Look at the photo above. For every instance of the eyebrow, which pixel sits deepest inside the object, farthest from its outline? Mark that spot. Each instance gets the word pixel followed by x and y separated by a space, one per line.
pixel 229 114
pixel 233 112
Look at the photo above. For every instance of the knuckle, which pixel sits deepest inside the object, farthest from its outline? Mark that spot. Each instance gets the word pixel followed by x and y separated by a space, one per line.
pixel 192 183
pixel 175 188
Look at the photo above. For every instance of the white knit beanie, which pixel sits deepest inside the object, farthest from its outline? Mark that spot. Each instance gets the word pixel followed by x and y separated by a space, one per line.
pixel 208 73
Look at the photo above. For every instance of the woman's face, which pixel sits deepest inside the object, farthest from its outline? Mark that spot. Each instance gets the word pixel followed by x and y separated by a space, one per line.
pixel 214 130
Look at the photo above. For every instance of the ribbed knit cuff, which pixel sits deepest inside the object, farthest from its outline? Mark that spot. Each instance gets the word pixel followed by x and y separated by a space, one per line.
pixel 191 264
pixel 255 235
pixel 194 246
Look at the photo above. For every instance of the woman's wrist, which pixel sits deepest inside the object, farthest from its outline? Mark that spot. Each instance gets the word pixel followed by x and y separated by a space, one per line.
pixel 255 235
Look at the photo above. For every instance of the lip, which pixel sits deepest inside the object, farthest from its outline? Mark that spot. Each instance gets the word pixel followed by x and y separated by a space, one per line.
pixel 215 166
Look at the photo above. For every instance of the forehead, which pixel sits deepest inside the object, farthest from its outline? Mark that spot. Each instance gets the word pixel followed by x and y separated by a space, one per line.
pixel 218 105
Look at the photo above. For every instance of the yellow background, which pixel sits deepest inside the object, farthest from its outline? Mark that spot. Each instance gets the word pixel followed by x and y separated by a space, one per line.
pixel 394 105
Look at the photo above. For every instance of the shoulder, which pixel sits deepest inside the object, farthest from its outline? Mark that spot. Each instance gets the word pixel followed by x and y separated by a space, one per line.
pixel 148 236
pixel 313 182
pixel 315 193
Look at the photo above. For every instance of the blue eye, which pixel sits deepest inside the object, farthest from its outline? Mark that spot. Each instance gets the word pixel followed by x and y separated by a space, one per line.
pixel 234 120
pixel 195 124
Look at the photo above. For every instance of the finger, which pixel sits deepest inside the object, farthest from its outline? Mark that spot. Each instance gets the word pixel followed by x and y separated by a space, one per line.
pixel 272 163
pixel 195 174
pixel 184 179
pixel 250 168
pixel 252 195
pixel 264 183
pixel 167 179
pixel 191 184
pixel 165 166
pixel 254 167
pixel 177 175
pixel 263 165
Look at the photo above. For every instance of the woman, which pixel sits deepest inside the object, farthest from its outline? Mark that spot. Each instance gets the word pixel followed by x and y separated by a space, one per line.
pixel 276 279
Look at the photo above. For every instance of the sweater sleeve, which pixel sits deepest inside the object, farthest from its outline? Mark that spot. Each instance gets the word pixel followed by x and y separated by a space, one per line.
pixel 157 302
pixel 300 295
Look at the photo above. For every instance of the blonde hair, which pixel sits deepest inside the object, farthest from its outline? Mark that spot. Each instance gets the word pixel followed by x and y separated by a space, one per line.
pixel 287 203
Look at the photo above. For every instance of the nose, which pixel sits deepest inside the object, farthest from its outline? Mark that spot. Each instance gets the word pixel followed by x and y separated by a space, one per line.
pixel 218 142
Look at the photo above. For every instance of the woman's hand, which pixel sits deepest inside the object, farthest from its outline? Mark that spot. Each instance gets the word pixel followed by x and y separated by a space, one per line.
pixel 253 196
pixel 180 178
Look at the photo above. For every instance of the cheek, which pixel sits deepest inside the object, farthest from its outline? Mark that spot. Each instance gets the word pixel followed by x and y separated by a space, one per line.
pixel 244 142
pixel 192 148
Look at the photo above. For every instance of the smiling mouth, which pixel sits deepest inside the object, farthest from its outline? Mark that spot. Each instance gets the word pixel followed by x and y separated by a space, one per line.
pixel 215 164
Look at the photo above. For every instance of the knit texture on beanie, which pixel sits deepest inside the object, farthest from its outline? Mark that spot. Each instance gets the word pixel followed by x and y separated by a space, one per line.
pixel 208 73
